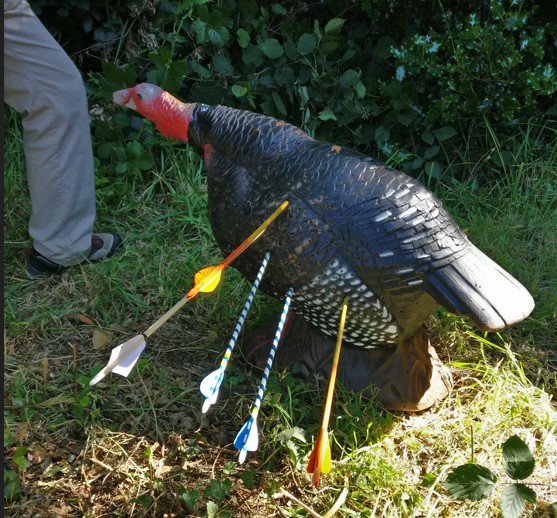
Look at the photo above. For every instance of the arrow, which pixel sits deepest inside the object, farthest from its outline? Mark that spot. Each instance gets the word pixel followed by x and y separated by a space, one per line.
pixel 320 458
pixel 211 383
pixel 205 280
pixel 248 436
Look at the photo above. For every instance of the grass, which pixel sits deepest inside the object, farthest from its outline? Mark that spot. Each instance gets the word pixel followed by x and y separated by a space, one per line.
pixel 141 447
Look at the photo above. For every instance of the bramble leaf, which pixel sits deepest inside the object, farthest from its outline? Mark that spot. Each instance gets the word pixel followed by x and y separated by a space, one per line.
pixel 239 90
pixel 445 133
pixel 349 78
pixel 470 481
pixel 218 489
pixel 514 498
pixel 519 461
pixel 189 497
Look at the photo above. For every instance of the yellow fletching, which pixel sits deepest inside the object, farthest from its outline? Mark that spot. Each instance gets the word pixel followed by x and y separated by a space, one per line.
pixel 205 281
pixel 326 459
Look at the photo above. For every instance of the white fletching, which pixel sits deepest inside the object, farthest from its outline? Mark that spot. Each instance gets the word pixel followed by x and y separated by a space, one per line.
pixel 122 358
pixel 125 367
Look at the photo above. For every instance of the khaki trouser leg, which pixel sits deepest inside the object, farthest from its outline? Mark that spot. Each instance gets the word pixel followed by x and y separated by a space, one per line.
pixel 42 83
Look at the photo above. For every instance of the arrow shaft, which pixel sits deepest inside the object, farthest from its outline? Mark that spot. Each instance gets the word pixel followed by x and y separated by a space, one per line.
pixel 217 271
pixel 170 313
pixel 272 352
pixel 256 234
pixel 245 309
pixel 321 450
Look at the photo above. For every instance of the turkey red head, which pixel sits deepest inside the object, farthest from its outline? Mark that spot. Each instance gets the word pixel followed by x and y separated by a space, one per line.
pixel 170 116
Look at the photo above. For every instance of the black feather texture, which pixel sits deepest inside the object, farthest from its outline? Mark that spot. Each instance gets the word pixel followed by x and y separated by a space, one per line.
pixel 354 227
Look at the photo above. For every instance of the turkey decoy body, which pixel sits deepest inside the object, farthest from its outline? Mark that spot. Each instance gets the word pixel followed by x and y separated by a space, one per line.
pixel 354 227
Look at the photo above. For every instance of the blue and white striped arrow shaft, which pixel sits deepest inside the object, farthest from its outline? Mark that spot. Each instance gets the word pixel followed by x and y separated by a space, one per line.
pixel 248 436
pixel 211 383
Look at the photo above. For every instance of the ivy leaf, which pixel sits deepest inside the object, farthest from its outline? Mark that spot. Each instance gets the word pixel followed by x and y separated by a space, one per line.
pixel 218 489
pixel 271 48
pixel 143 500
pixel 519 461
pixel 20 458
pixel 327 114
pixel 239 91
pixel 306 44
pixel 292 433
pixel 12 485
pixel 470 481
pixel 514 498
pixel 334 24
pixel 212 509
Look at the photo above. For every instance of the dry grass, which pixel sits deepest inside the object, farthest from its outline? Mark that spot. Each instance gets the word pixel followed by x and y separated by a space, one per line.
pixel 140 447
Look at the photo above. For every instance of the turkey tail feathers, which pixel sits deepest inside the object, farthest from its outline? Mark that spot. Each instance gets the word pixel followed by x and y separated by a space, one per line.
pixel 475 286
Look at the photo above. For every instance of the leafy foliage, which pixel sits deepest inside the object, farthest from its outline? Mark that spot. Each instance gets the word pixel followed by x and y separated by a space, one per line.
pixel 403 82
pixel 471 481
pixel 519 461
pixel 514 498
pixel 474 482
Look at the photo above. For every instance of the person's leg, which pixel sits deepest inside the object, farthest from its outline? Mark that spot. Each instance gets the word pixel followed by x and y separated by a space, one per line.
pixel 42 83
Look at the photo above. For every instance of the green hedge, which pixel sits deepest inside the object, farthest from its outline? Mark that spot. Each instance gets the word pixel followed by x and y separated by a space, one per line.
pixel 419 84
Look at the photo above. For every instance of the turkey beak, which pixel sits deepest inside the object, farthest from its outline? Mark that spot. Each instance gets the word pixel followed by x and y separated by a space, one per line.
pixel 124 98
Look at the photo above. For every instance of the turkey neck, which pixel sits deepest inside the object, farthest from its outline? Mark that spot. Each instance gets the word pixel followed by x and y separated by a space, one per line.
pixel 250 140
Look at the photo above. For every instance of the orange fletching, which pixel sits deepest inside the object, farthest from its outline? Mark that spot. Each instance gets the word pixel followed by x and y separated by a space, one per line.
pixel 320 458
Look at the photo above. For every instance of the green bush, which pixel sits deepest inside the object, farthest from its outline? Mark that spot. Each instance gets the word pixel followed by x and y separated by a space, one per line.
pixel 420 85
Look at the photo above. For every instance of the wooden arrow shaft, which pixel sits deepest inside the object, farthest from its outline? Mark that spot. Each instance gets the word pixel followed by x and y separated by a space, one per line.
pixel 256 234
pixel 321 449
pixel 129 348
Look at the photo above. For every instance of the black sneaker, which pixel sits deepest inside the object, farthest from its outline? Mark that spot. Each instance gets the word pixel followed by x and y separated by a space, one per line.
pixel 102 246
